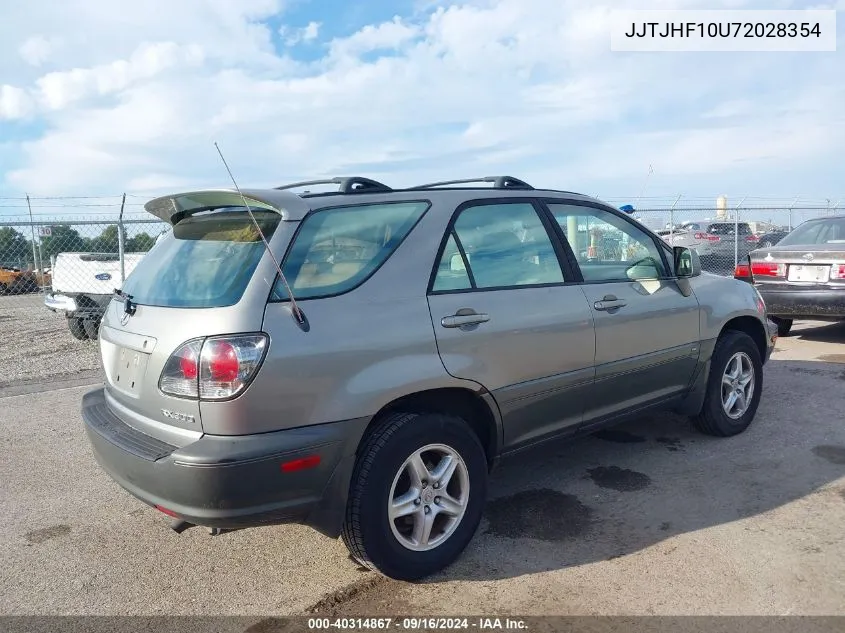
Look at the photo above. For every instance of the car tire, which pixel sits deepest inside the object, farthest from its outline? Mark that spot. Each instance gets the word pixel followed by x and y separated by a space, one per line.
pixel 784 326
pixel 720 415
pixel 3 289
pixel 92 328
pixel 395 547
pixel 76 327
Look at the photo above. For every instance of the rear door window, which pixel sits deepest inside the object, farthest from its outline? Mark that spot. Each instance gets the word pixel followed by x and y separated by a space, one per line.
pixel 337 249
pixel 206 261
pixel 505 245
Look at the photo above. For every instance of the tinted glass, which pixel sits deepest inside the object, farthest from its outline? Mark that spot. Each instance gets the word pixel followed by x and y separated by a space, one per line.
pixel 607 247
pixel 817 232
pixel 337 249
pixel 507 245
pixel 206 261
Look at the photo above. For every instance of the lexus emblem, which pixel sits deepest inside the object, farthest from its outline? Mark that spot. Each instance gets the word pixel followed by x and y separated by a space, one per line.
pixel 808 257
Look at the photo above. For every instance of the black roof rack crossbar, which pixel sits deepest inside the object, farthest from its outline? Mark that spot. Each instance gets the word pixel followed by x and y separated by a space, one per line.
pixel 499 182
pixel 349 184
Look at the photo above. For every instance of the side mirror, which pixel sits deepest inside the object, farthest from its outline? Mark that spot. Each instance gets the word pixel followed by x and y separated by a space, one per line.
pixel 686 261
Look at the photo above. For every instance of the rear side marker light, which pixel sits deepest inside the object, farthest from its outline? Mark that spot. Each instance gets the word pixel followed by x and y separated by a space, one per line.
pixel 169 513
pixel 303 463
pixel 215 368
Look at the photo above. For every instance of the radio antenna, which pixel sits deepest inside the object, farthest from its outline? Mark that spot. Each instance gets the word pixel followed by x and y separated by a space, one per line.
pixel 297 313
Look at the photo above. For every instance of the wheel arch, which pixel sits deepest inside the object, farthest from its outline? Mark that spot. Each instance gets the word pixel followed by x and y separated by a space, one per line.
pixel 477 408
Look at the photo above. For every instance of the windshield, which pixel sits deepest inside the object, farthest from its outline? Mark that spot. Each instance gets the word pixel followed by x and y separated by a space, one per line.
pixel 206 261
pixel 817 232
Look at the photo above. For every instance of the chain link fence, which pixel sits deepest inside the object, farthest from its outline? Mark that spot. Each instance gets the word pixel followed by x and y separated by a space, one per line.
pixel 42 256
pixel 45 259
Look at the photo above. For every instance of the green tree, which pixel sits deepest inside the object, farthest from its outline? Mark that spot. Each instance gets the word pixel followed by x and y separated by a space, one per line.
pixel 15 249
pixel 141 243
pixel 107 241
pixel 64 239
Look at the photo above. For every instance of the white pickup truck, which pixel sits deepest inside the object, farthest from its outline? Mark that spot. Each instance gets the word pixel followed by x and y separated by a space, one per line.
pixel 83 284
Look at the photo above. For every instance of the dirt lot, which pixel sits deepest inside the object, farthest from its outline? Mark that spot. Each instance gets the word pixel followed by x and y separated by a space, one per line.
pixel 37 346
pixel 650 518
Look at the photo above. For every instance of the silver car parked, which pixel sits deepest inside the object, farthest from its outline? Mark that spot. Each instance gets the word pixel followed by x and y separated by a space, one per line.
pixel 415 337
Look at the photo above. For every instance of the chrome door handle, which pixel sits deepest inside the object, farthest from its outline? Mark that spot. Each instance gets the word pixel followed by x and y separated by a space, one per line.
pixel 462 320
pixel 609 302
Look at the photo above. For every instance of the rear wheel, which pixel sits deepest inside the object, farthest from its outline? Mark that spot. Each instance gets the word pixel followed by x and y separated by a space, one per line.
pixel 4 289
pixel 92 328
pixel 417 495
pixel 733 387
pixel 74 324
pixel 784 326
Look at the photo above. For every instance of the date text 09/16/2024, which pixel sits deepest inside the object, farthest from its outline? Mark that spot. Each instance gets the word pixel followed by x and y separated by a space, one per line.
pixel 420 623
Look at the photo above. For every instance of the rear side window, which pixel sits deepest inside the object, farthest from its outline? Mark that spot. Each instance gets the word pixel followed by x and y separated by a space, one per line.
pixel 206 261
pixel 336 249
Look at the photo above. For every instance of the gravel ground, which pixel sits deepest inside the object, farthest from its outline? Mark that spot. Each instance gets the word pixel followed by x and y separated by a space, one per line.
pixel 650 518
pixel 37 346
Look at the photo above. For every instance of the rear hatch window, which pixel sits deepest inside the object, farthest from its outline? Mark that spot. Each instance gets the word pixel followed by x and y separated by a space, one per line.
pixel 817 232
pixel 206 261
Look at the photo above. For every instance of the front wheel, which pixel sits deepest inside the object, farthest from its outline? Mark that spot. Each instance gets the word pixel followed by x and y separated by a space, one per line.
pixel 733 387
pixel 417 495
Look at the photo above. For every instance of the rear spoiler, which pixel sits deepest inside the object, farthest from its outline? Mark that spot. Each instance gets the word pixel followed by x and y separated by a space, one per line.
pixel 175 207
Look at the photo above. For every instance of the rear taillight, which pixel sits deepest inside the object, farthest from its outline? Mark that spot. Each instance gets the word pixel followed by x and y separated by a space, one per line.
pixel 707 236
pixel 742 271
pixel 837 271
pixel 768 269
pixel 179 376
pixel 752 238
pixel 216 368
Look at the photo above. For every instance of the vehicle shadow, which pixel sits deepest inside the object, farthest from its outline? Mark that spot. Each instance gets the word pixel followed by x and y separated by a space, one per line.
pixel 824 333
pixel 629 488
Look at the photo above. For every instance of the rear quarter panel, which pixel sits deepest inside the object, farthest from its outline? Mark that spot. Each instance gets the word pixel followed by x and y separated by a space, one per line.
pixel 362 349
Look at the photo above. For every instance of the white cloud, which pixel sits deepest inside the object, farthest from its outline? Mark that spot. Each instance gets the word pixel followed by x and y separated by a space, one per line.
pixel 307 33
pixel 526 87
pixel 36 50
pixel 14 103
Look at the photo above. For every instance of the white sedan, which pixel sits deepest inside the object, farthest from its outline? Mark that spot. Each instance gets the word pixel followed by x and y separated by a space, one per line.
pixel 702 242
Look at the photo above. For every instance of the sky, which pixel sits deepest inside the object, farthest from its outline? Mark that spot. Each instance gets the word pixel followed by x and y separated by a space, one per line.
pixel 100 97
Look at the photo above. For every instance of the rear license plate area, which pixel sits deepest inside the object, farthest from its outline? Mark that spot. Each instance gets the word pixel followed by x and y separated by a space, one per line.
pixel 130 369
pixel 801 272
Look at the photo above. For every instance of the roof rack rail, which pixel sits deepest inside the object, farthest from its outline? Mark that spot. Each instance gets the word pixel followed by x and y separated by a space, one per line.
pixel 349 184
pixel 499 182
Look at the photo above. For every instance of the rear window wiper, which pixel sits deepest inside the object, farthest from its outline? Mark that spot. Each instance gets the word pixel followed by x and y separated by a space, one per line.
pixel 128 306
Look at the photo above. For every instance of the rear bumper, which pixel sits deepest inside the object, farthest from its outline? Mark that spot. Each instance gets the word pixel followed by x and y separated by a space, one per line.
pixel 78 305
pixel 809 304
pixel 60 303
pixel 230 481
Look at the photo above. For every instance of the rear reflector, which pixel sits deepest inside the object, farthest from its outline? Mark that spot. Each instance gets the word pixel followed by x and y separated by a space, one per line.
pixel 768 269
pixel 301 464
pixel 169 513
